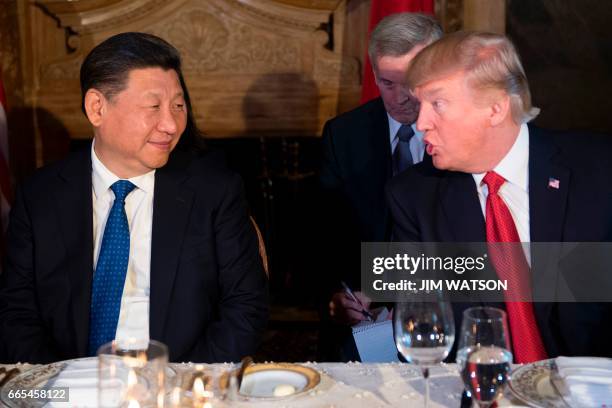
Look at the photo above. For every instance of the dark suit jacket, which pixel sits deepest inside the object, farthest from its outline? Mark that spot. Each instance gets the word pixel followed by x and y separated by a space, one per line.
pixel 208 299
pixel 356 165
pixel 430 205
pixel 355 168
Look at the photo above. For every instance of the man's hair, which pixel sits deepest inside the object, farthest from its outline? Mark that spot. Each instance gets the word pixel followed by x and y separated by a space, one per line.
pixel 398 34
pixel 489 61
pixel 107 68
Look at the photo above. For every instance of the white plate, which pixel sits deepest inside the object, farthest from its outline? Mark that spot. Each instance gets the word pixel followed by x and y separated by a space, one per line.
pixel 531 383
pixel 261 380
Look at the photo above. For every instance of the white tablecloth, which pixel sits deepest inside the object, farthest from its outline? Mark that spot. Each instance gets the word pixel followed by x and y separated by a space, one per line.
pixel 356 385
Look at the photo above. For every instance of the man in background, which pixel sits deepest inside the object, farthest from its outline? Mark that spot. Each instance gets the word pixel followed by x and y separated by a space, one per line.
pixel 496 179
pixel 362 150
pixel 138 238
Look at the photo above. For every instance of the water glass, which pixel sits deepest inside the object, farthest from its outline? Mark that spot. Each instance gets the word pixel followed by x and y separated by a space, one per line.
pixel 483 355
pixel 132 374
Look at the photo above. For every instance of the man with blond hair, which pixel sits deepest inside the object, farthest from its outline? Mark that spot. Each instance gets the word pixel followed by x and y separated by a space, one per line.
pixel 362 150
pixel 495 178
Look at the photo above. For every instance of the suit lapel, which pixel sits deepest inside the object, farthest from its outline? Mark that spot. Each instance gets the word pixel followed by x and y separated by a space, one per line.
pixel 547 207
pixel 461 207
pixel 73 200
pixel 380 144
pixel 466 223
pixel 171 208
pixel 547 204
pixel 380 150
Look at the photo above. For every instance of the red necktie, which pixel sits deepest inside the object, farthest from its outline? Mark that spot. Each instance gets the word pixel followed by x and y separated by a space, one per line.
pixel 510 263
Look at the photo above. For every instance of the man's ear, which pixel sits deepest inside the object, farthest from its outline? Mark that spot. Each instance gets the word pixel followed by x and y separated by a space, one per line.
pixel 500 109
pixel 95 105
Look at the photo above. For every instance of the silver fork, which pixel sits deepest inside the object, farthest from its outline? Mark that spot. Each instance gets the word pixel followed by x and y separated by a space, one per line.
pixel 557 384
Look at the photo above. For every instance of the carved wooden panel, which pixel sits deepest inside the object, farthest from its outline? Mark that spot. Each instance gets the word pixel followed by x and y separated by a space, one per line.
pixel 9 46
pixel 19 119
pixel 253 67
pixel 450 14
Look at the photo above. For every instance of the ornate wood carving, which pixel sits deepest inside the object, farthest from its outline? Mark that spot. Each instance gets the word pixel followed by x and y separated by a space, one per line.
pixel 253 67
pixel 210 45
pixel 9 48
pixel 484 15
pixel 87 16
pixel 450 14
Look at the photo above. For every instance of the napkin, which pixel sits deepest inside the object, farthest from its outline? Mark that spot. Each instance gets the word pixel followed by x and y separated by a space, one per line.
pixel 81 378
pixel 585 381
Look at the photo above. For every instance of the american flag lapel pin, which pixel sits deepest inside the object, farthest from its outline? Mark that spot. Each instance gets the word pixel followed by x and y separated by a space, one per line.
pixel 553 183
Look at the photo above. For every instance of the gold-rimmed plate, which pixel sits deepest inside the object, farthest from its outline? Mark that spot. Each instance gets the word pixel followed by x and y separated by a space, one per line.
pixel 35 378
pixel 278 380
pixel 532 383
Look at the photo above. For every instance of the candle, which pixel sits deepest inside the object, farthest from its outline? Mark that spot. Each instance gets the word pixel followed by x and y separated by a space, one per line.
pixel 200 394
pixel 135 391
pixel 132 380
pixel 175 397
pixel 160 399
pixel 133 404
pixel 198 387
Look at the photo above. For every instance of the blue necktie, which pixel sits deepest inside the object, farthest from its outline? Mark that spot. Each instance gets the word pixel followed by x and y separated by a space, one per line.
pixel 402 158
pixel 109 277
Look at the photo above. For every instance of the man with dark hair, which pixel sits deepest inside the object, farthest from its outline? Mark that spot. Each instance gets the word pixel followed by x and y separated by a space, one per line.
pixel 134 239
pixel 362 150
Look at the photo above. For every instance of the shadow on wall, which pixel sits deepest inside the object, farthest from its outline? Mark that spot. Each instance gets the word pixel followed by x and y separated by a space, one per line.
pixel 566 49
pixel 24 123
pixel 281 117
pixel 283 104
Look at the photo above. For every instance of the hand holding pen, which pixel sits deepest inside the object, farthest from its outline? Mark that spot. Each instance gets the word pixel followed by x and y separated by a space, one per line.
pixel 363 310
pixel 349 307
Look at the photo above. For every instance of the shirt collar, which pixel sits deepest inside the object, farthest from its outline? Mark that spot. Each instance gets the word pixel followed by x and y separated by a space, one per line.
pixel 394 126
pixel 514 166
pixel 103 178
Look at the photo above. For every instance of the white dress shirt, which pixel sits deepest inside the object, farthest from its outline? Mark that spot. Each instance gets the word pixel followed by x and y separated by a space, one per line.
pixel 417 146
pixel 514 168
pixel 133 325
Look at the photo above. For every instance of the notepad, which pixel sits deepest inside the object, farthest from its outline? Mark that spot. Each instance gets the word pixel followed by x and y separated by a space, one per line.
pixel 374 340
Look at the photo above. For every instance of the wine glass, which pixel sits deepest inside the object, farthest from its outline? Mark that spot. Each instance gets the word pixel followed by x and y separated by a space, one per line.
pixel 483 355
pixel 424 331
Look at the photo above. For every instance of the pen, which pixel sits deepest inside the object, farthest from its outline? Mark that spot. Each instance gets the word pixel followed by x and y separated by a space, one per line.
pixel 349 292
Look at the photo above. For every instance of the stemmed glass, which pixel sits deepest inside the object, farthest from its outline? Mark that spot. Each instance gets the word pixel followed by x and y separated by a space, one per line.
pixel 483 355
pixel 424 331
